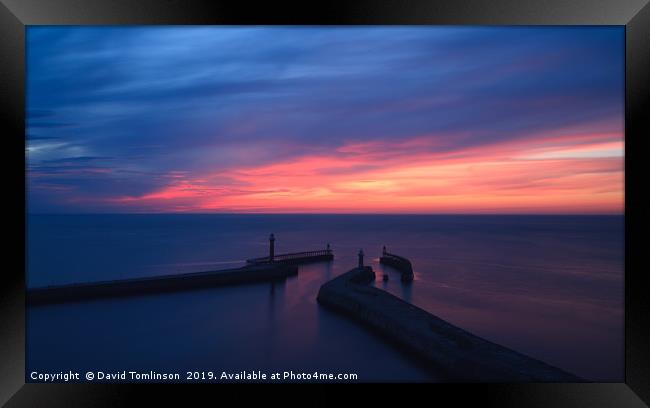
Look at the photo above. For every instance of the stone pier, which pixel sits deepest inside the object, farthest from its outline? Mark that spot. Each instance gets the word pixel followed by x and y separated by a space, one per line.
pixel 449 349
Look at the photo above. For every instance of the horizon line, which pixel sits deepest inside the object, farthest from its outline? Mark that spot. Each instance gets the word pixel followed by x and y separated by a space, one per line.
pixel 321 213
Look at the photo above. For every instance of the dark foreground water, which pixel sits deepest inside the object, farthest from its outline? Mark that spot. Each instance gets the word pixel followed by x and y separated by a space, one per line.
pixel 547 286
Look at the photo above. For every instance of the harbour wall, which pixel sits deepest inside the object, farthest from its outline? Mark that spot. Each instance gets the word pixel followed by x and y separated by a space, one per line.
pixel 159 284
pixel 447 348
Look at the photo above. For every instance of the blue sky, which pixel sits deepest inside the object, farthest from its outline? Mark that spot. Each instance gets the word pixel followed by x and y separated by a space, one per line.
pixel 133 119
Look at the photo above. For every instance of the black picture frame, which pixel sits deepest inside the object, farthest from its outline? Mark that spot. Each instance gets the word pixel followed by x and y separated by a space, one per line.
pixel 15 15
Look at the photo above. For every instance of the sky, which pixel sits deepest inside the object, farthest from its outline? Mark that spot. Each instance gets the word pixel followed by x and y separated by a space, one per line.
pixel 325 119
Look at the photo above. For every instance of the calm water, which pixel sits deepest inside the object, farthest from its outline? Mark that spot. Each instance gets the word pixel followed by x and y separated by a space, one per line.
pixel 548 286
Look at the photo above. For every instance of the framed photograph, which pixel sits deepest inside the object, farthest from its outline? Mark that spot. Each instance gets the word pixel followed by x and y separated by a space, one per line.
pixel 439 195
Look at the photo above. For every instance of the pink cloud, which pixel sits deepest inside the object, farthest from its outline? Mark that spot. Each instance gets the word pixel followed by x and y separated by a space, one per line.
pixel 570 173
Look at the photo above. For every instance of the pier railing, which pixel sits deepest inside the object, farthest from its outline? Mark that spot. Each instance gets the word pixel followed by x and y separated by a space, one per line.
pixel 296 256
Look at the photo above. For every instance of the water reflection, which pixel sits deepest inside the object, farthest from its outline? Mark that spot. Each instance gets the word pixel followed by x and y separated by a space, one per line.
pixel 394 283
pixel 276 298
pixel 328 271
pixel 407 291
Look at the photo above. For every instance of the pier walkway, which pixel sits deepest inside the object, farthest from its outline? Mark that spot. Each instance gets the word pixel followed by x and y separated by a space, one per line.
pixel 449 349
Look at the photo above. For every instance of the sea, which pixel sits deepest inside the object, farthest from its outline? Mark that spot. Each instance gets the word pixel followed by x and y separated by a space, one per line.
pixel 549 286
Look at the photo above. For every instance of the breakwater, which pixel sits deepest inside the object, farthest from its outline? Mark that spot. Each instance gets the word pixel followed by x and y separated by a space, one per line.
pixel 265 269
pixel 450 349
pixel 400 263
pixel 158 284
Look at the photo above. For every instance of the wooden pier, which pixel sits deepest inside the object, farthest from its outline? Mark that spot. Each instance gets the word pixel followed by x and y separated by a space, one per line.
pixel 292 258
pixel 295 258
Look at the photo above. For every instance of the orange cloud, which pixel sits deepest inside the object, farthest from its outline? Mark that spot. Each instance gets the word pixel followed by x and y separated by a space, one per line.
pixel 568 174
